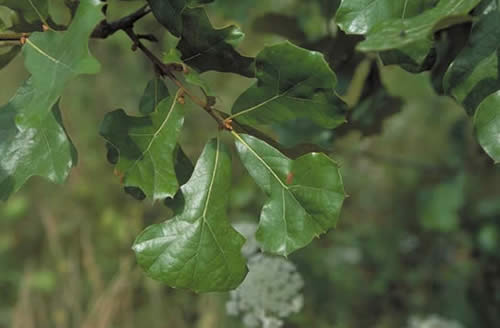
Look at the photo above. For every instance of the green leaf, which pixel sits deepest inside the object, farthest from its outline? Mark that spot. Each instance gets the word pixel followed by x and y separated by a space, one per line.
pixel 305 194
pixel 473 75
pixel 43 149
pixel 292 83
pixel 198 248
pixel 53 58
pixel 32 11
pixel 169 12
pixel 360 16
pixel 206 48
pixel 399 32
pixel 191 75
pixel 487 125
pixel 34 141
pixel 155 92
pixel 147 147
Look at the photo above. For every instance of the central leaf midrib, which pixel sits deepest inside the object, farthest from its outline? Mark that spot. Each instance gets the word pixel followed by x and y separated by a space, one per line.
pixel 285 187
pixel 283 94
pixel 155 135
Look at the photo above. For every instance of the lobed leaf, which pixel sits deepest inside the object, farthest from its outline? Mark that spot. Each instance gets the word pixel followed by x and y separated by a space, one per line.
pixel 147 147
pixel 473 75
pixel 198 248
pixel 305 194
pixel 53 58
pixel 43 149
pixel 201 45
pixel 292 83
pixel 33 140
pixel 206 48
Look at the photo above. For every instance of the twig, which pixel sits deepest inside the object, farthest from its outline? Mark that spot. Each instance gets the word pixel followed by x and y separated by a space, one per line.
pixel 105 28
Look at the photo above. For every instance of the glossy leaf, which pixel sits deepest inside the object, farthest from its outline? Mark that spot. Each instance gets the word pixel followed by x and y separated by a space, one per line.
pixel 198 248
pixel 43 149
pixel 155 92
pixel 360 16
pixel 34 141
pixel 305 194
pixel 487 125
pixel 287 90
pixel 169 12
pixel 473 75
pixel 399 32
pixel 147 147
pixel 53 58
pixel 206 48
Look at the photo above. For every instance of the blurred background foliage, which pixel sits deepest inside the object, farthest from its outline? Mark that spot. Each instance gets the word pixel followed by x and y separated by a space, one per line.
pixel 419 234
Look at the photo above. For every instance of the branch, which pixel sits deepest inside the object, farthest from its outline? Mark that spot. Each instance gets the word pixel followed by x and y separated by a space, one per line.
pixel 105 28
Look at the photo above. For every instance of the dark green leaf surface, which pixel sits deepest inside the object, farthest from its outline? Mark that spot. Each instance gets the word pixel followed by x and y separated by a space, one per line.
pixel 43 149
pixel 33 141
pixel 487 125
pixel 206 48
pixel 399 32
pixel 359 16
pixel 292 83
pixel 147 147
pixel 473 75
pixel 32 11
pixel 198 248
pixel 53 58
pixel 305 194
pixel 155 92
pixel 169 12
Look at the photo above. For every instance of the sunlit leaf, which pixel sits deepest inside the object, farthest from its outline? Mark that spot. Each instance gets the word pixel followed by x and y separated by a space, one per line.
pixel 53 58
pixel 399 32
pixel 198 248
pixel 305 194
pixel 360 16
pixel 292 83
pixel 147 147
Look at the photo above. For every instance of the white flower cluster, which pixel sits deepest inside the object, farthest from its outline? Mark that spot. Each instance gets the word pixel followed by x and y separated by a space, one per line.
pixel 248 229
pixel 433 321
pixel 270 291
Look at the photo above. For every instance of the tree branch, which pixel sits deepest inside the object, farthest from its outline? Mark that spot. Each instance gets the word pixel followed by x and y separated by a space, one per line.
pixel 105 28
